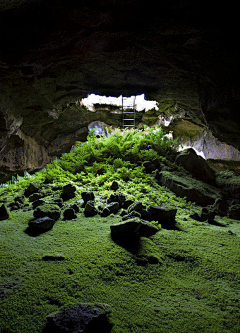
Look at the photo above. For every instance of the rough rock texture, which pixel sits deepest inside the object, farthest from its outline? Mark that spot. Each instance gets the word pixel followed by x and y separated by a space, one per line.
pixel 183 54
pixel 42 223
pixel 196 165
pixel 49 210
pixel 185 186
pixel 80 318
pixel 4 214
pixel 193 134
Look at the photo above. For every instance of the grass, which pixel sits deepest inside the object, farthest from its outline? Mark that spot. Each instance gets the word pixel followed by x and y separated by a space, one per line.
pixel 192 286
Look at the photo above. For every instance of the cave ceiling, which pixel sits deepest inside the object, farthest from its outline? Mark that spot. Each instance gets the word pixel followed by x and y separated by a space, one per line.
pixel 56 52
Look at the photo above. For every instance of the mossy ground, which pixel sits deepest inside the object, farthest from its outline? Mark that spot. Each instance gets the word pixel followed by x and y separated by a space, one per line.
pixel 194 287
pixel 174 281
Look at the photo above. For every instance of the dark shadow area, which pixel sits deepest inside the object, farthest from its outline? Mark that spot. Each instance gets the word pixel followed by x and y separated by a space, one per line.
pixel 34 233
pixel 131 244
pixel 100 325
pixel 218 224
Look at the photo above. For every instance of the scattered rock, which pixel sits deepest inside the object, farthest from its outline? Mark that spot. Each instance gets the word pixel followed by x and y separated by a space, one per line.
pixel 32 188
pixel 117 197
pixel 137 207
pixel 105 212
pixel 90 209
pixel 37 203
pixel 69 214
pixel 114 186
pixel 127 203
pixel 131 229
pixel 4 214
pixel 42 223
pixel 196 165
pixel 75 208
pixel 56 201
pixel 87 196
pixel 19 200
pixel 131 215
pixel 185 186
pixel 14 206
pixel 207 214
pixel 163 214
pixel 113 207
pixel 50 210
pixel 35 196
pixel 68 192
pixel 234 212
pixel 81 318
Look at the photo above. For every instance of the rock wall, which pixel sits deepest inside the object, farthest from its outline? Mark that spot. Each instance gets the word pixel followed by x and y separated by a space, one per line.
pixel 199 137
pixel 53 53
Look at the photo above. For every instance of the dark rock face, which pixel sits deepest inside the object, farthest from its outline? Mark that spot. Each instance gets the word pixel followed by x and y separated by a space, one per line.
pixel 163 214
pixel 68 192
pixel 196 165
pixel 81 318
pixel 69 214
pixel 234 212
pixel 41 224
pixel 180 52
pixel 132 229
pixel 4 214
pixel 193 190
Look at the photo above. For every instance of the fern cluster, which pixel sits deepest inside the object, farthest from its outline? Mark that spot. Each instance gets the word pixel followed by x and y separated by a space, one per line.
pixel 118 156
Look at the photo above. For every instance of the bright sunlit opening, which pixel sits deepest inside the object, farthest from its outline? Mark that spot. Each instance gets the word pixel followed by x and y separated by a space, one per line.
pixel 139 100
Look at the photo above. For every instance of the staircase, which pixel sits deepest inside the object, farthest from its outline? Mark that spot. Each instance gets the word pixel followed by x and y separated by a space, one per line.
pixel 128 116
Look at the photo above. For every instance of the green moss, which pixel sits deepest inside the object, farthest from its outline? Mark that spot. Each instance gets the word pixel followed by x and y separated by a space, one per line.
pixel 172 281
pixel 191 286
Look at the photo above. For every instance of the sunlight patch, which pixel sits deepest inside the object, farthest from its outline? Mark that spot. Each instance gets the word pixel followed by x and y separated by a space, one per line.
pixel 139 101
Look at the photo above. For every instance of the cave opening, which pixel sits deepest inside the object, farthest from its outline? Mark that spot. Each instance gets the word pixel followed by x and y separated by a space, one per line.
pixel 93 100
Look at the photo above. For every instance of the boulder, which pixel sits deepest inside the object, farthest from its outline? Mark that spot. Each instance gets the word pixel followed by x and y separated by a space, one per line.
pixel 131 215
pixel 117 197
pixel 207 214
pixel 113 207
pixel 196 165
pixel 137 207
pixel 114 186
pixel 127 203
pixel 87 196
pixel 105 212
pixel 90 209
pixel 132 229
pixel 163 214
pixel 35 196
pixel 4 214
pixel 50 210
pixel 69 214
pixel 19 200
pixel 41 224
pixel 68 192
pixel 186 186
pixel 75 208
pixel 80 318
pixel 234 212
pixel 37 203
pixel 32 188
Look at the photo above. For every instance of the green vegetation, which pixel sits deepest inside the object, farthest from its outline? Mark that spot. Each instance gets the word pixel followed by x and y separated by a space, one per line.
pixel 173 282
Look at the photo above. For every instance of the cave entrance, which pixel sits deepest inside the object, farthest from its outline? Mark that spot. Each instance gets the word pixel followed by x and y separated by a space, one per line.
pixel 127 106
pixel 92 101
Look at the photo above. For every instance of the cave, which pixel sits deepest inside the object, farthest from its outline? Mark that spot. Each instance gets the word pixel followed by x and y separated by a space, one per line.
pixel 181 162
